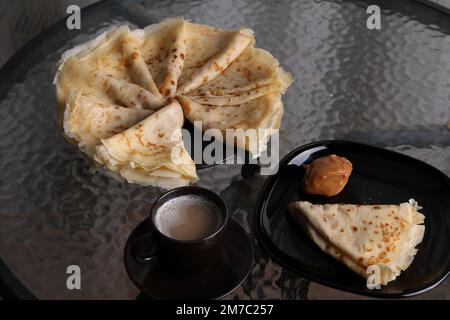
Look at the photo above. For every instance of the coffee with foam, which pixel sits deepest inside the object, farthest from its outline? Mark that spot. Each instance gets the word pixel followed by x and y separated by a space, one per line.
pixel 188 217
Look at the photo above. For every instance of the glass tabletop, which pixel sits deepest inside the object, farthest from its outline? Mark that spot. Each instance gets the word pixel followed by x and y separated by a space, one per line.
pixel 388 87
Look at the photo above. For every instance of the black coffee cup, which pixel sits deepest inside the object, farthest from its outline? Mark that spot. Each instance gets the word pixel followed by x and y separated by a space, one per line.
pixel 183 257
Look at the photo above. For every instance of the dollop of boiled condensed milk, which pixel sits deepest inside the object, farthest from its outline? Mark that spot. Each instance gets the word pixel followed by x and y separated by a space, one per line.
pixel 327 176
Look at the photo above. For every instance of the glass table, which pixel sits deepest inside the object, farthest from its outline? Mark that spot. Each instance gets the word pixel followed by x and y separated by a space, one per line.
pixel 388 87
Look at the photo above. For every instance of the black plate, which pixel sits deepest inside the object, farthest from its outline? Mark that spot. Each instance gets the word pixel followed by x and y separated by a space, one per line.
pixel 154 280
pixel 379 177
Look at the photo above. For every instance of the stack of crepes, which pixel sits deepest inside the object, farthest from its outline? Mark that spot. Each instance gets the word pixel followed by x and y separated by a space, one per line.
pixel 122 96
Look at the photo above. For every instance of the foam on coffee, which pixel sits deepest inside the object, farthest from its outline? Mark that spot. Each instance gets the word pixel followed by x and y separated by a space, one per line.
pixel 188 217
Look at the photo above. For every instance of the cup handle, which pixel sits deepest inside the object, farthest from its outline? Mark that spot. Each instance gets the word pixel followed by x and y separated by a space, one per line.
pixel 142 252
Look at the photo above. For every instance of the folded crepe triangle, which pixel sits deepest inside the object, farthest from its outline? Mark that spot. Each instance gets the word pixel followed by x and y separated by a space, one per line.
pixel 253 74
pixel 150 152
pixel 87 121
pixel 162 47
pixel 209 52
pixel 360 236
pixel 257 120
